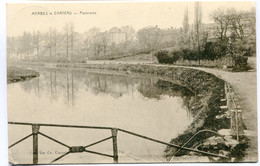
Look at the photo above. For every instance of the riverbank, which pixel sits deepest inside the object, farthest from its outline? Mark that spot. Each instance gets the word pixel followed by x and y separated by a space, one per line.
pixel 205 109
pixel 245 88
pixel 16 74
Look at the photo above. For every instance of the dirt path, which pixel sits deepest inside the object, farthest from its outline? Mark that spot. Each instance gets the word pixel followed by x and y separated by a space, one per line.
pixel 245 86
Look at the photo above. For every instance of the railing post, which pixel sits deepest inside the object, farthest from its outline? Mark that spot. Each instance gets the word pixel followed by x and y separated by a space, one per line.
pixel 236 123
pixel 233 122
pixel 35 131
pixel 114 139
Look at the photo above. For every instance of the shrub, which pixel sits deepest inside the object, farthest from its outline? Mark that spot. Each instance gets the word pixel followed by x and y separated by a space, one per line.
pixel 163 57
pixel 209 52
pixel 248 52
pixel 189 54
pixel 175 56
pixel 168 58
pixel 240 63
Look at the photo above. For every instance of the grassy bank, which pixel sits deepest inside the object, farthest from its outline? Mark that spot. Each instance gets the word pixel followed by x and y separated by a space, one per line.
pixel 16 74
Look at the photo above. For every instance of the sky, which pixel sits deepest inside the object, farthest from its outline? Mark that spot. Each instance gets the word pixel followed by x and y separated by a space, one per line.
pixel 138 15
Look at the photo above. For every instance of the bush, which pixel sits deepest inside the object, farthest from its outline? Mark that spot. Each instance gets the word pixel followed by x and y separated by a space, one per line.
pixel 175 56
pixel 209 52
pixel 240 63
pixel 163 57
pixel 248 52
pixel 189 54
pixel 168 58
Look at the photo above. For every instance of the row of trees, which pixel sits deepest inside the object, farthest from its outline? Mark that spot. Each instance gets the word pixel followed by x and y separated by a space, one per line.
pixel 42 44
pixel 231 28
pixel 68 45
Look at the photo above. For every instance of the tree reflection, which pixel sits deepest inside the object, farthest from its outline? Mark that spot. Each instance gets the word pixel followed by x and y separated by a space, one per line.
pixel 68 83
pixel 156 88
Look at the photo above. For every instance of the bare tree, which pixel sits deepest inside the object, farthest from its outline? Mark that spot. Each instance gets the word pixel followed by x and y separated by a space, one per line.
pixel 96 45
pixel 104 41
pixel 129 33
pixel 197 24
pixel 50 41
pixel 66 31
pixel 55 42
pixel 222 21
pixel 192 37
pixel 90 40
pixel 11 46
pixel 26 44
pixel 185 37
pixel 36 41
pixel 72 37
pixel 185 22
pixel 149 38
pixel 252 21
pixel 239 21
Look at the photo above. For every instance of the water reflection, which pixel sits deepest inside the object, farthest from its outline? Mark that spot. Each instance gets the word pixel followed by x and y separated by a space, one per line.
pixel 145 105
pixel 116 86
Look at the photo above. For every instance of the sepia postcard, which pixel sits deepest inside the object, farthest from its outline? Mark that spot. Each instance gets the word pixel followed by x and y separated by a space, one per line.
pixel 131 82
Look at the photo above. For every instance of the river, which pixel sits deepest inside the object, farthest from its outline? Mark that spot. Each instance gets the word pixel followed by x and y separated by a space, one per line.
pixel 143 104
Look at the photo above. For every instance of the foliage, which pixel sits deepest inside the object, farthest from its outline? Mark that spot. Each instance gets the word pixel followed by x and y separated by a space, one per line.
pixel 188 54
pixel 163 57
pixel 176 55
pixel 240 63
pixel 210 51
pixel 168 58
pixel 248 52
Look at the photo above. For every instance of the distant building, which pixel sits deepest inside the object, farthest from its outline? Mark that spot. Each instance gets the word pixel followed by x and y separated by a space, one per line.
pixel 116 36
pixel 170 35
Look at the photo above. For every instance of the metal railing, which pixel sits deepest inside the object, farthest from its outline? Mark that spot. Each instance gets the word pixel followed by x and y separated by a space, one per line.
pixel 81 149
pixel 201 131
pixel 235 113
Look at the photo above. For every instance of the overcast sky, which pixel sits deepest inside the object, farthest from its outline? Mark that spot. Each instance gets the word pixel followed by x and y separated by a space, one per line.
pixel 138 15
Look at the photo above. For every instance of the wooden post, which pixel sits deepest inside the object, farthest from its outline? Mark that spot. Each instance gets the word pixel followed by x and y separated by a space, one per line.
pixel 35 131
pixel 228 101
pixel 240 128
pixel 233 122
pixel 114 139
pixel 225 87
pixel 236 123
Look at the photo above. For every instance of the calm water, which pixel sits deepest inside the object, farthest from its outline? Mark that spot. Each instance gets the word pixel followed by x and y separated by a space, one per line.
pixel 145 105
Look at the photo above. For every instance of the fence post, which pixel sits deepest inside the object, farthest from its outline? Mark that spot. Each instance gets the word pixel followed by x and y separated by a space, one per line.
pixel 240 123
pixel 114 139
pixel 35 131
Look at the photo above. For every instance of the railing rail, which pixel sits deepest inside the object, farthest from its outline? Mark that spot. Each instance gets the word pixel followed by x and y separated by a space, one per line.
pixel 60 125
pixel 81 149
